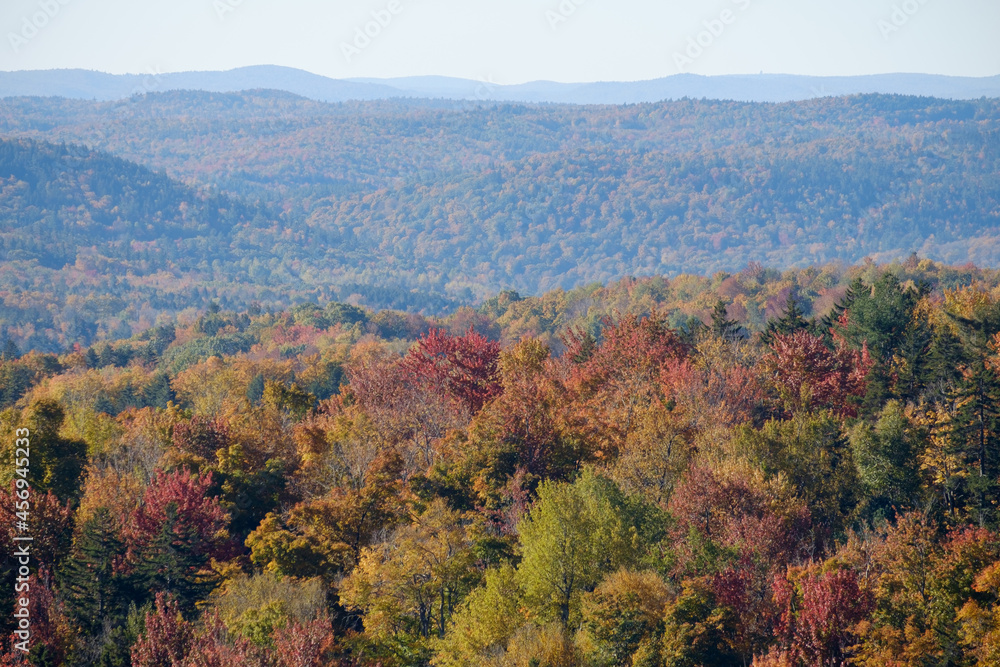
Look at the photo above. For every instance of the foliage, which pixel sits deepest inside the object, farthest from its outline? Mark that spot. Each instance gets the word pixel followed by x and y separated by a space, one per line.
pixel 592 479
pixel 318 208
pixel 574 535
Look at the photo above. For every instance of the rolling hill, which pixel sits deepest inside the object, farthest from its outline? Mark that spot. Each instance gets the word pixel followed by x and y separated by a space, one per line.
pixel 270 197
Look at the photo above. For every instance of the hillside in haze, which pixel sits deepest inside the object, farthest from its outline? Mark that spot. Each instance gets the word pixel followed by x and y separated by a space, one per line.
pixel 86 84
pixel 272 198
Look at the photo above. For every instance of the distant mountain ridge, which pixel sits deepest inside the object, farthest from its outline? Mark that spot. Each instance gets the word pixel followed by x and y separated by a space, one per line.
pixel 86 84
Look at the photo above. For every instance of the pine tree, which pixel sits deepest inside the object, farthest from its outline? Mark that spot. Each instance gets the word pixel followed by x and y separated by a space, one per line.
pixel 10 350
pixel 856 287
pixel 976 424
pixel 850 296
pixel 977 430
pixel 106 357
pixel 722 326
pixel 89 584
pixel 255 390
pixel 172 564
pixel 945 361
pixel 691 331
pixel 118 642
pixel 914 372
pixel 158 392
pixel 879 315
pixel 791 320
pixel 583 346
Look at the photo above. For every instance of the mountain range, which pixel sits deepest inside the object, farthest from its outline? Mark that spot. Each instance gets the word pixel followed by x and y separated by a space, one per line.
pixel 91 85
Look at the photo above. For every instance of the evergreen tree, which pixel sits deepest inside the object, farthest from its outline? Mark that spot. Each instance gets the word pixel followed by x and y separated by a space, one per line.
pixel 106 357
pixel 57 464
pixel 722 326
pixel 791 320
pixel 976 423
pixel 879 315
pixel 830 319
pixel 172 564
pixel 914 353
pixel 118 641
pixel 255 390
pixel 90 587
pixel 162 337
pixel 15 381
pixel 945 360
pixel 691 331
pixel 977 430
pixel 158 392
pixel 10 350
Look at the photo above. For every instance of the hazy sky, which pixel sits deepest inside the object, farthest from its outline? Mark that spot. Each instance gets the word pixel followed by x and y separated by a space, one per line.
pixel 507 41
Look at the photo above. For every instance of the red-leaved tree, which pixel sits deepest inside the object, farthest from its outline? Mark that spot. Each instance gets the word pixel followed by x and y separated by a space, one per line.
pixel 167 637
pixel 50 524
pixel 214 647
pixel 195 510
pixel 615 381
pixel 819 613
pixel 808 375
pixel 463 367
pixel 304 644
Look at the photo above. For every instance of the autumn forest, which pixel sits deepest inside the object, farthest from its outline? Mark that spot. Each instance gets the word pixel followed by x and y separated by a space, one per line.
pixel 776 468
pixel 417 383
pixel 113 214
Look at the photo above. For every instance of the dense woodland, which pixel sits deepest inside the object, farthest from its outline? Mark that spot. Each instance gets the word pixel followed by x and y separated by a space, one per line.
pixel 269 198
pixel 767 468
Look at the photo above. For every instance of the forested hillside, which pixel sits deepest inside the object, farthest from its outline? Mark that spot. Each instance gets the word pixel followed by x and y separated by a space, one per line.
pixel 769 468
pixel 95 247
pixel 59 201
pixel 439 202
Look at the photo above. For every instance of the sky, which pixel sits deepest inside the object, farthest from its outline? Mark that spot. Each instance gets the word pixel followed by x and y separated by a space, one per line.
pixel 506 41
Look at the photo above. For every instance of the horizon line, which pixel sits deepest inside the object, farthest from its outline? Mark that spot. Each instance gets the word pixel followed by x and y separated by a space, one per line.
pixel 527 82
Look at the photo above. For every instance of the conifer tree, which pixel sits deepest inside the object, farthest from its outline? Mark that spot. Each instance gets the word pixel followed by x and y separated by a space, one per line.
pixel 171 563
pixel 255 390
pixel 976 424
pixel 914 370
pixel 90 586
pixel 945 360
pixel 850 296
pixel 791 320
pixel 722 326
pixel 977 430
pixel 10 350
